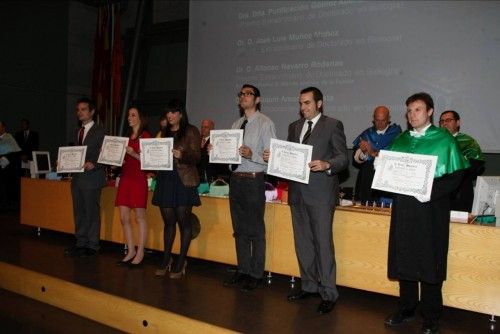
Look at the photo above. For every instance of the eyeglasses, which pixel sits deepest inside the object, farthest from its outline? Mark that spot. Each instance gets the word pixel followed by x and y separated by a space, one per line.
pixel 246 94
pixel 446 120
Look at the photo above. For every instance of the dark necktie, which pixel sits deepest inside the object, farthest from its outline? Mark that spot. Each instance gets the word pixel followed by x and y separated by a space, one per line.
pixel 308 132
pixel 80 135
pixel 242 127
pixel 203 142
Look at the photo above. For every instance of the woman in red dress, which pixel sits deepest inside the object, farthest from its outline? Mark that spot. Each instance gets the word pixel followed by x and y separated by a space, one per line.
pixel 133 190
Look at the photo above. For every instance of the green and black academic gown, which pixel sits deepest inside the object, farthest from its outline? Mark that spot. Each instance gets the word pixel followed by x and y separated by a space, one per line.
pixel 463 196
pixel 419 232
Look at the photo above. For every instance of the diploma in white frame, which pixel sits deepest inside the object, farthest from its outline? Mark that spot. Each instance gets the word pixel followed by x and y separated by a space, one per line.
pixel 70 159
pixel 156 153
pixel 289 160
pixel 225 146
pixel 113 150
pixel 405 173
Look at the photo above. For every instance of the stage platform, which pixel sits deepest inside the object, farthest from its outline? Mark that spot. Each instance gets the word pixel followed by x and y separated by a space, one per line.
pixel 133 300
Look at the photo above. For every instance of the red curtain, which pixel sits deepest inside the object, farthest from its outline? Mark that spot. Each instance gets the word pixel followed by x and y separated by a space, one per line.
pixel 117 64
pixel 108 62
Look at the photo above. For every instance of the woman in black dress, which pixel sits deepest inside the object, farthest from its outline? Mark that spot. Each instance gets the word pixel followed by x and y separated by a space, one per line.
pixel 176 191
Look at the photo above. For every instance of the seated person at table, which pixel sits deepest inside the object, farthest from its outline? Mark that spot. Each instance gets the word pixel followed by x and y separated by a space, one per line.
pixel 209 172
pixel 366 147
pixel 462 198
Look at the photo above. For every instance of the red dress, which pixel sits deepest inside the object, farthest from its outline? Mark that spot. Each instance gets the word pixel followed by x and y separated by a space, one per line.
pixel 133 185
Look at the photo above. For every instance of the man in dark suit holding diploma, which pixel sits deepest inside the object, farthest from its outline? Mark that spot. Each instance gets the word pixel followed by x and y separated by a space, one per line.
pixel 313 204
pixel 86 187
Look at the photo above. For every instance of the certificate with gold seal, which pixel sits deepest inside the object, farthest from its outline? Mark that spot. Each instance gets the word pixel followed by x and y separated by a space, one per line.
pixel 289 160
pixel 405 173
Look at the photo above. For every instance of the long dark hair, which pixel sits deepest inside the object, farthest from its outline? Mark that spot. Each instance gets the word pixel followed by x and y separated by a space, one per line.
pixel 176 105
pixel 143 120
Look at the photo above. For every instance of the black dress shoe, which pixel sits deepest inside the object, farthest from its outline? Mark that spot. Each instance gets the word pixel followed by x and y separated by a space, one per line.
pixel 326 306
pixel 88 252
pixel 73 251
pixel 301 294
pixel 251 284
pixel 237 278
pixel 401 316
pixel 430 327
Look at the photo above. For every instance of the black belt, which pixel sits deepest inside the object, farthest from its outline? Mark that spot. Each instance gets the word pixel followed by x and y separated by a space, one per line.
pixel 248 175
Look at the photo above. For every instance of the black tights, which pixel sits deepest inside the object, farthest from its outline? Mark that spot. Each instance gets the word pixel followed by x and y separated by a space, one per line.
pixel 181 215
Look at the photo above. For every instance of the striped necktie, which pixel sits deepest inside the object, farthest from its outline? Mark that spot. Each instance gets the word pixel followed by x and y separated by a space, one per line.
pixel 308 132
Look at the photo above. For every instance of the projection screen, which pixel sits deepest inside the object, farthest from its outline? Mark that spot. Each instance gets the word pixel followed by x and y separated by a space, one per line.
pixel 360 54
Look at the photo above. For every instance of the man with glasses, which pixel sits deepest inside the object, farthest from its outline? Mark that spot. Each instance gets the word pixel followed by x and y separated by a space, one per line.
pixel 247 192
pixel 462 198
pixel 366 147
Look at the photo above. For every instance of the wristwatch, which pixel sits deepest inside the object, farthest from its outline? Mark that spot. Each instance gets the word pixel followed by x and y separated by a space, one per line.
pixel 328 171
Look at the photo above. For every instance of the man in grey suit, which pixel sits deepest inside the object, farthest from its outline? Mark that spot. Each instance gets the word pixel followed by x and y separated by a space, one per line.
pixel 313 204
pixel 86 187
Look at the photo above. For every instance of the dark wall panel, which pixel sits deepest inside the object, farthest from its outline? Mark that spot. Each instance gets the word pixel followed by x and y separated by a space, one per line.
pixel 33 67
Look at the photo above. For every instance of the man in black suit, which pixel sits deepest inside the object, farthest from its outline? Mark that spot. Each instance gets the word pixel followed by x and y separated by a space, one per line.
pixel 27 140
pixel 86 187
pixel 312 205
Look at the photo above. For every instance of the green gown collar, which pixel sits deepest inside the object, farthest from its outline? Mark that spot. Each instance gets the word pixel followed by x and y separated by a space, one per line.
pixel 436 141
pixel 469 147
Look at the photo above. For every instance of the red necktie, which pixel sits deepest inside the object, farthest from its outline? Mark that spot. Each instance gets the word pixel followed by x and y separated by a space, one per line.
pixel 80 135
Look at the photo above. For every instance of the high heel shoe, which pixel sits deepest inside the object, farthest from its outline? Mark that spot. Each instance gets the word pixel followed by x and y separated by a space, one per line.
pixel 135 265
pixel 131 264
pixel 124 263
pixel 180 273
pixel 162 271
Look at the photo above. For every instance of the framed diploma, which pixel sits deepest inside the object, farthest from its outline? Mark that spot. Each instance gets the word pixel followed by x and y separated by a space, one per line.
pixel 289 160
pixel 113 150
pixel 405 173
pixel 156 153
pixel 70 159
pixel 225 146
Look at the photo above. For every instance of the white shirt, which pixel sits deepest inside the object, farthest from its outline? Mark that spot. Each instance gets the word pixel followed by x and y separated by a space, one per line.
pixel 381 132
pixel 416 133
pixel 306 125
pixel 86 130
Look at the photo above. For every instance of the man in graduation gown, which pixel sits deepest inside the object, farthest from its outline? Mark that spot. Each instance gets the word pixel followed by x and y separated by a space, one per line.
pixel 419 232
pixel 462 198
pixel 366 147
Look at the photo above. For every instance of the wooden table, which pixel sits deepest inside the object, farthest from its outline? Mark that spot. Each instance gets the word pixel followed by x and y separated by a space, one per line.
pixel 360 238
